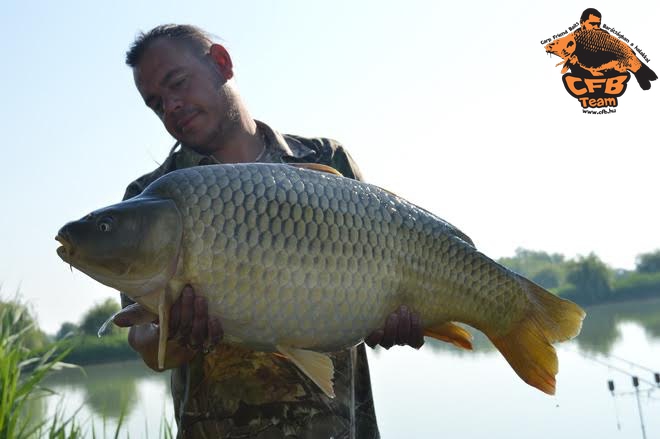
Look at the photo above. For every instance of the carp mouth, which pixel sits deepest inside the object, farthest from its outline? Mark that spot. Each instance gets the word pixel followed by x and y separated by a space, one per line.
pixel 65 251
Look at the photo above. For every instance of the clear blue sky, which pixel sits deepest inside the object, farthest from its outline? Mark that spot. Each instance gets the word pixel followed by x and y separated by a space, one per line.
pixel 454 106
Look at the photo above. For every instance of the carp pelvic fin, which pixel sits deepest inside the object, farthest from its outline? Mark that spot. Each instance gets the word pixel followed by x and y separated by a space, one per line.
pixel 318 367
pixel 317 167
pixel 451 333
pixel 527 347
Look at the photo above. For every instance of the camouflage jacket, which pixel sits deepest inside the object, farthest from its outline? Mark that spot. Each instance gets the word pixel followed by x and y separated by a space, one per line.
pixel 239 393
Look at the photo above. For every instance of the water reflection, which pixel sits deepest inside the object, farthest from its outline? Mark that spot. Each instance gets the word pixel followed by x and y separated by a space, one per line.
pixel 601 329
pixel 107 389
pixel 433 391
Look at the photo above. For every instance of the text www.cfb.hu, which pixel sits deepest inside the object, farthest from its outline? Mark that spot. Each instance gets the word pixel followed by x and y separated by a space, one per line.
pixel 603 111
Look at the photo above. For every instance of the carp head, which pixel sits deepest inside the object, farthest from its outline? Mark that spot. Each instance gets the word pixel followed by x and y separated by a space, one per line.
pixel 132 246
pixel 564 48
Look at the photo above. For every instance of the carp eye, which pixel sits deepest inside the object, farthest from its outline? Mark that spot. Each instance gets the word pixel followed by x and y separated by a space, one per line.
pixel 105 224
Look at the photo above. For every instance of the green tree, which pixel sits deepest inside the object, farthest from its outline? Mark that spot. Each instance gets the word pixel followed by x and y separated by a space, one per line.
pixel 548 277
pixel 529 262
pixel 66 328
pixel 546 269
pixel 648 262
pixel 592 279
pixel 97 315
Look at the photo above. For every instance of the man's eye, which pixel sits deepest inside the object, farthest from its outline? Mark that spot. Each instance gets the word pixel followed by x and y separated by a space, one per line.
pixel 179 82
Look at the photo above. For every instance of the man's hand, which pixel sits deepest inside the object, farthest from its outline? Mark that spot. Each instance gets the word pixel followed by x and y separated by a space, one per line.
pixel 190 323
pixel 190 328
pixel 402 327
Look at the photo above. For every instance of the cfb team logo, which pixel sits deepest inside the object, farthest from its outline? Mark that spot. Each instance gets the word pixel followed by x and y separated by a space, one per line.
pixel 599 63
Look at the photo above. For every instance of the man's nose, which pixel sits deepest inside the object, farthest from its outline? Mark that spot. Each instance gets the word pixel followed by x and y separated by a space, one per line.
pixel 172 104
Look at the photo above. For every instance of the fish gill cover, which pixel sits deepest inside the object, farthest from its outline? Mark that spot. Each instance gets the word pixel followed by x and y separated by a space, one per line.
pixel 597 62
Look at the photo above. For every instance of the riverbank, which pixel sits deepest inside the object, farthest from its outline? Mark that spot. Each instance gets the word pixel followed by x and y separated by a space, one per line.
pixel 87 349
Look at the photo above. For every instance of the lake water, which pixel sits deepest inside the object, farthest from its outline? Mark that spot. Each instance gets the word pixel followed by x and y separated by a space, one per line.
pixel 439 391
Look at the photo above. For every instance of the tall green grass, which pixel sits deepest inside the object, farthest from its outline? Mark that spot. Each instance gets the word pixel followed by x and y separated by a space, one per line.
pixel 21 373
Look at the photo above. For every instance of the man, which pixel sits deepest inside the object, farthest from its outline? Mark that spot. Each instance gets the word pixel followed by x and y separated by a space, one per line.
pixel 590 19
pixel 230 391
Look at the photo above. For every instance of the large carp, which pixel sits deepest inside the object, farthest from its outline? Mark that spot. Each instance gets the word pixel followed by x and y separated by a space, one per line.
pixel 303 262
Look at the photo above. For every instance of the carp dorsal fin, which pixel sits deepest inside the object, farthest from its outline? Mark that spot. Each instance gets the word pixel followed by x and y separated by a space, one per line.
pixel 451 333
pixel 317 366
pixel 317 167
pixel 462 235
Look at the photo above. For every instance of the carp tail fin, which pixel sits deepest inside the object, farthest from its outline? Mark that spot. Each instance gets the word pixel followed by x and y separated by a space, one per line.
pixel 528 346
pixel 644 76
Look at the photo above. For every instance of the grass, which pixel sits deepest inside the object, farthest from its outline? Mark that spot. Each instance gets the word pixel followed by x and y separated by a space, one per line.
pixel 21 373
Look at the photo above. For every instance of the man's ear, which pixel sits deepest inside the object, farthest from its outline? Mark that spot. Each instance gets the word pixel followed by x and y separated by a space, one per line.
pixel 223 60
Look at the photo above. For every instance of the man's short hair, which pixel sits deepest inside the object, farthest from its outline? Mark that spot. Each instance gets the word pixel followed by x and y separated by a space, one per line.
pixel 196 38
pixel 589 11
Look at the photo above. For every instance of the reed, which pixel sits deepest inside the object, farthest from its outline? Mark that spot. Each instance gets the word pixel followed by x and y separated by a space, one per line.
pixel 21 375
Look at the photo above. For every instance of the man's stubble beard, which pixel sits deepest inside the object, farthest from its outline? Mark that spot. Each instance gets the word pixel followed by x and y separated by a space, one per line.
pixel 225 127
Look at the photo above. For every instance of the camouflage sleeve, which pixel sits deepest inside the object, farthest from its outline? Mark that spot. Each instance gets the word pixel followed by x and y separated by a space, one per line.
pixel 133 189
pixel 327 152
pixel 344 163
pixel 332 153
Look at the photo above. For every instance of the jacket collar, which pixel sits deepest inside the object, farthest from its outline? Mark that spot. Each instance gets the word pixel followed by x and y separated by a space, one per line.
pixel 278 147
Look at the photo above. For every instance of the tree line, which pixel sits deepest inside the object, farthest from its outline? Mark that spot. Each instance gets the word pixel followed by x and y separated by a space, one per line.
pixel 587 280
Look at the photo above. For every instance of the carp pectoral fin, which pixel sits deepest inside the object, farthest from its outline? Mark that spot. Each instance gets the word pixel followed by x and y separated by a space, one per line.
pixel 451 333
pixel 527 346
pixel 164 306
pixel 317 167
pixel 133 314
pixel 318 367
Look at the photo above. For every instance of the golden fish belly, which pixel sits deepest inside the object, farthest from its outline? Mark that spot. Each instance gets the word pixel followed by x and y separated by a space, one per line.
pixel 310 260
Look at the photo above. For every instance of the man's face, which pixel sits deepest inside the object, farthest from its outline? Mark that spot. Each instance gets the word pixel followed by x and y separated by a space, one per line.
pixel 187 94
pixel 592 22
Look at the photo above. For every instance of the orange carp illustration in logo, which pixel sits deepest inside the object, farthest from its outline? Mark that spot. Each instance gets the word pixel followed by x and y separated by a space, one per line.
pixel 599 63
